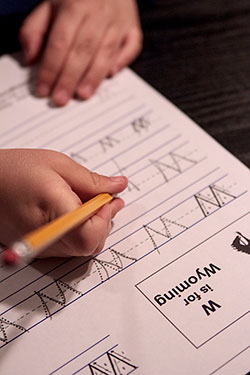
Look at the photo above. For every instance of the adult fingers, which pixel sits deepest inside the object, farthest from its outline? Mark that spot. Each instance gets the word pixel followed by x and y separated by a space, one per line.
pixel 33 31
pixel 101 64
pixel 60 39
pixel 130 49
pixel 80 56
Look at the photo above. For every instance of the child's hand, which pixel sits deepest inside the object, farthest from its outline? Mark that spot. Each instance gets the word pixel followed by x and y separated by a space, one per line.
pixel 84 40
pixel 36 186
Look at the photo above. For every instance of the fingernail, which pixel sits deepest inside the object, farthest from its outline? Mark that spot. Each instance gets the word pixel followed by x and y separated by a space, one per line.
pixel 43 89
pixel 85 91
pixel 61 97
pixel 117 179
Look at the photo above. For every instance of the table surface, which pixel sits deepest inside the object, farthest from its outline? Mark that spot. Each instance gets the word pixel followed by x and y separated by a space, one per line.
pixel 197 54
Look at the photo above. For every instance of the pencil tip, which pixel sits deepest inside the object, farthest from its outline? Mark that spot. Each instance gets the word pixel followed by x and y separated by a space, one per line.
pixel 9 257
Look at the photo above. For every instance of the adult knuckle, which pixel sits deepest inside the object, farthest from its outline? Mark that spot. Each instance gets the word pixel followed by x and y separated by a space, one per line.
pixel 84 46
pixel 109 45
pixel 57 43
pixel 72 5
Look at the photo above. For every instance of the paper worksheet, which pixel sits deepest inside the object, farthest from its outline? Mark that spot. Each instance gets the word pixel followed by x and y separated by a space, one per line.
pixel 169 293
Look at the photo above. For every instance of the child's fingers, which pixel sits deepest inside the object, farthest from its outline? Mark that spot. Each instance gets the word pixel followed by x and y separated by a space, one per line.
pixel 116 205
pixel 89 238
pixel 42 186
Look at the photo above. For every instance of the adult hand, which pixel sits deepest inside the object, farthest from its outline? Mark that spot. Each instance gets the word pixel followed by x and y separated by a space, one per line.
pixel 81 42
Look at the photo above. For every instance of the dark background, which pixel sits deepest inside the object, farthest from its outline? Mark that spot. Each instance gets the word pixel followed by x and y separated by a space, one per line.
pixel 197 54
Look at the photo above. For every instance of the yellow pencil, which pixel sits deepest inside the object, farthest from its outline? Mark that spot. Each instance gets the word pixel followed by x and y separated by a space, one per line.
pixel 36 241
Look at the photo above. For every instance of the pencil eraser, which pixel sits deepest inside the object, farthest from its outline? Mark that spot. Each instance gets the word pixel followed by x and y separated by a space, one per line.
pixel 10 257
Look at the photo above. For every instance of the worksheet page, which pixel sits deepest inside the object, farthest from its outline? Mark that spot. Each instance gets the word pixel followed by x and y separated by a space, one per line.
pixel 169 293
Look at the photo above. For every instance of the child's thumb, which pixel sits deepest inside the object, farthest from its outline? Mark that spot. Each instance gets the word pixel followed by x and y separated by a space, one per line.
pixel 85 183
pixel 96 184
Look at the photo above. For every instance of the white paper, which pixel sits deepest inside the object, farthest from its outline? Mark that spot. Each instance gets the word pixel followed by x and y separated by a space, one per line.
pixel 169 293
